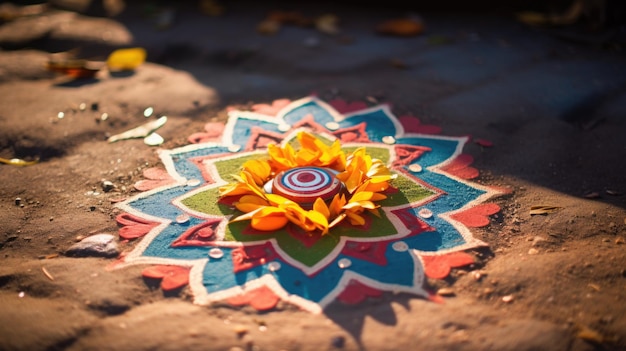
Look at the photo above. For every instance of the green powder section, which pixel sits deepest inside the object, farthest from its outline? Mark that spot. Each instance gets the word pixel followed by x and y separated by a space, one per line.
pixel 319 249
pixel 409 191
pixel 207 202
pixel 313 251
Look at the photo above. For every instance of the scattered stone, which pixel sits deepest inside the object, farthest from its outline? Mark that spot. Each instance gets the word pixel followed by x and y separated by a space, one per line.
pixel 508 298
pixel 533 251
pixel 107 186
pixel 477 275
pixel 240 330
pixel 99 245
pixel 445 292
pixel 338 341
pixel 620 241
pixel 18 201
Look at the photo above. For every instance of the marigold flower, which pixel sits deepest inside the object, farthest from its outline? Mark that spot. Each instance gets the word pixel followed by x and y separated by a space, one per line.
pixel 364 179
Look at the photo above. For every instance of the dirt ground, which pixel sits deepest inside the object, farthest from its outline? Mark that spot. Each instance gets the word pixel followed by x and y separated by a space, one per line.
pixel 551 99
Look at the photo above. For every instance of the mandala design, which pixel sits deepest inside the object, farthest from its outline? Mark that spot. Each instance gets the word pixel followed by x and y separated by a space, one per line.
pixel 184 229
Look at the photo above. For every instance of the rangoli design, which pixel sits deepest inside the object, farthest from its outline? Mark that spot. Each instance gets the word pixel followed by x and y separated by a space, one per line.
pixel 195 223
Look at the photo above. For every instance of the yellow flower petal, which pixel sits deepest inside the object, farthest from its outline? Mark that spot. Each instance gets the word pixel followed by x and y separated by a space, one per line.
pixel 249 203
pixel 269 223
pixel 355 219
pixel 266 218
pixel 318 220
pixel 320 206
pixel 260 170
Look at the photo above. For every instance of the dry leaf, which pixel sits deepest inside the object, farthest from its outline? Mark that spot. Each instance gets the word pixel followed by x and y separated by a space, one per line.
pixel 543 209
pixel 75 68
pixel 268 27
pixel 18 162
pixel 142 131
pixel 402 27
pixel 211 8
pixel 126 59
pixel 327 24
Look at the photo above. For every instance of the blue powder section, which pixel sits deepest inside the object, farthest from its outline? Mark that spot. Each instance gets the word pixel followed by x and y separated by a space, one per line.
pixel 159 204
pixel 218 273
pixel 188 169
pixel 243 129
pixel 378 124
pixel 321 115
pixel 441 149
pixel 160 246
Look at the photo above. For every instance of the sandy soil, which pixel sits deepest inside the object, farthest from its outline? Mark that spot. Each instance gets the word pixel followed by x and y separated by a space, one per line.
pixel 553 108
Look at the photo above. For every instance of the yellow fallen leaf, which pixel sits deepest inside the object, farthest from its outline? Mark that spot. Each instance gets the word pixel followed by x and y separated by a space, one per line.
pixel 126 59
pixel 543 209
pixel 18 162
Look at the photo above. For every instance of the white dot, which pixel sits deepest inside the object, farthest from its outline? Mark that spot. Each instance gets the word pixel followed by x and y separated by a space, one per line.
pixel 284 127
pixel 415 168
pixel 344 263
pixel 183 218
pixel 273 266
pixel 332 125
pixel 193 182
pixel 389 140
pixel 400 246
pixel 148 112
pixel 60 115
pixel 234 148
pixel 216 253
pixel 425 213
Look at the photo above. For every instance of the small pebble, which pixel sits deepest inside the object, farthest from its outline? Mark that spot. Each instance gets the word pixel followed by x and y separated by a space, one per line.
pixel 240 330
pixel 338 341
pixel 477 275
pixel 533 251
pixel 107 186
pixel 18 201
pixel 445 292
pixel 508 298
